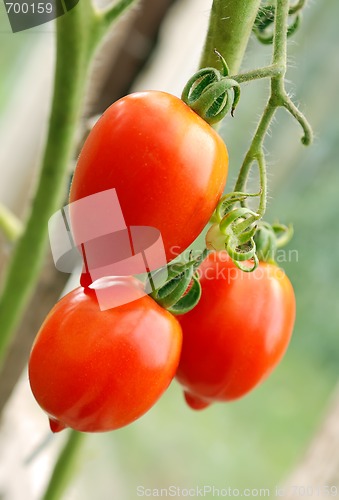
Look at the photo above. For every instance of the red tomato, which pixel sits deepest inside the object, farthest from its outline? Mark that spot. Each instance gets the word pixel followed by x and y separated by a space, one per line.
pixel 237 333
pixel 95 370
pixel 167 165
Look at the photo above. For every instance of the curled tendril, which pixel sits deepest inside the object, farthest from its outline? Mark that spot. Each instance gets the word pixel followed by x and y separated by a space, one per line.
pixel 265 19
pixel 211 93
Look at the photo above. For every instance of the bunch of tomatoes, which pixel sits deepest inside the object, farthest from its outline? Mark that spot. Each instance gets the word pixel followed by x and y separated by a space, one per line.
pixel 98 370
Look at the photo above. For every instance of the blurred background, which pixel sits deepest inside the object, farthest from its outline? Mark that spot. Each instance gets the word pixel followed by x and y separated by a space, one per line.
pixel 266 438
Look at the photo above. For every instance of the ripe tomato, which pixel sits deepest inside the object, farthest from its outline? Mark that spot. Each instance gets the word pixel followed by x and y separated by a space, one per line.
pixel 237 333
pixel 167 165
pixel 95 370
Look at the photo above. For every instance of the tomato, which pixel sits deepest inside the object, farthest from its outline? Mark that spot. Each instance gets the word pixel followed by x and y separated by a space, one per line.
pixel 95 370
pixel 167 164
pixel 237 333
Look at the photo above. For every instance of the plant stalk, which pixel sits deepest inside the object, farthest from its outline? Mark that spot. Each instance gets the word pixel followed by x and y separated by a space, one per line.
pixel 27 258
pixel 230 27
pixel 78 34
pixel 64 466
pixel 277 98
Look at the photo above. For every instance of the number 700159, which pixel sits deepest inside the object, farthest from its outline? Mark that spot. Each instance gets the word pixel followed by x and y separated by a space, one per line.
pixel 32 8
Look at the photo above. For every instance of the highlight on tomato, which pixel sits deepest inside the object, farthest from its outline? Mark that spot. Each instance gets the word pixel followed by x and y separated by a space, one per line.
pixel 237 333
pixel 168 166
pixel 94 370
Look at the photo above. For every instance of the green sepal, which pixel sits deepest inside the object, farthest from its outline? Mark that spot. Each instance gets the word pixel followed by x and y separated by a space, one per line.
pixel 245 268
pixel 269 238
pixel 240 253
pixel 176 273
pixel 189 300
pixel 181 283
pixel 227 202
pixel 180 276
pixel 265 242
pixel 283 234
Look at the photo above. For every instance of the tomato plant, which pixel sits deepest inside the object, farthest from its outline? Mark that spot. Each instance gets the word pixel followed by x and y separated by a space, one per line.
pixel 237 333
pixel 166 163
pixel 95 370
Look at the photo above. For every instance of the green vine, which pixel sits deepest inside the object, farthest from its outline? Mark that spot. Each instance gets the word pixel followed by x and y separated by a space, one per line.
pixel 232 227
pixel 82 29
pixel 230 27
pixel 278 96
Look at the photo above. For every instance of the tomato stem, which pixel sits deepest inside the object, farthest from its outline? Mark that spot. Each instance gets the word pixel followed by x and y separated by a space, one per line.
pixel 256 74
pixel 278 98
pixel 230 28
pixel 9 224
pixel 64 466
pixel 234 228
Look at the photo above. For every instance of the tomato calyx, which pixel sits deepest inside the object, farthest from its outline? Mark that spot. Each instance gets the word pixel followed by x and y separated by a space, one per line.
pixel 209 93
pixel 241 232
pixel 233 229
pixel 182 290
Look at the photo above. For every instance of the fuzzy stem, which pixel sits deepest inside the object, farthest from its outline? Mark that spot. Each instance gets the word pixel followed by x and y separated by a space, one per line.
pixel 278 98
pixel 255 149
pixel 230 27
pixel 280 35
pixel 256 74
pixel 263 183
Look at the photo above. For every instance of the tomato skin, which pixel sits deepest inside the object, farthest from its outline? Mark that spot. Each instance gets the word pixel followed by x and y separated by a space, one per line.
pixel 237 333
pixel 95 370
pixel 168 165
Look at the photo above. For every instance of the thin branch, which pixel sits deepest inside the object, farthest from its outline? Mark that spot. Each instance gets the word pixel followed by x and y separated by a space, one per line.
pixel 278 98
pixel 274 70
pixel 301 119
